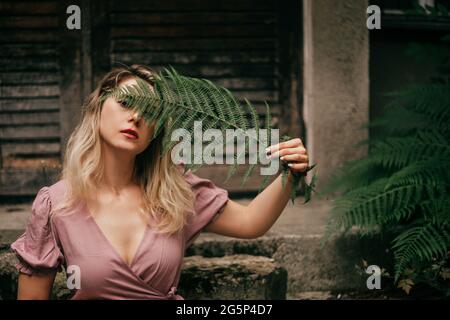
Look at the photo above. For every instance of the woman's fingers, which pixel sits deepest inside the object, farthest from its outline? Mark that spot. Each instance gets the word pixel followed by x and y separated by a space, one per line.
pixel 297 142
pixel 293 151
pixel 295 157
pixel 287 151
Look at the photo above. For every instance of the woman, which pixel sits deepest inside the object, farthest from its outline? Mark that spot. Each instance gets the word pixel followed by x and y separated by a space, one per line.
pixel 121 217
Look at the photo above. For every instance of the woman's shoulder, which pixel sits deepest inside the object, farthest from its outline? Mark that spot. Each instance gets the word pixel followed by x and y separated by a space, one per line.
pixel 48 195
pixel 56 191
pixel 187 173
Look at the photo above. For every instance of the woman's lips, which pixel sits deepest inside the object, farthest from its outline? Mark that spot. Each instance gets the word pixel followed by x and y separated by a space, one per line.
pixel 129 135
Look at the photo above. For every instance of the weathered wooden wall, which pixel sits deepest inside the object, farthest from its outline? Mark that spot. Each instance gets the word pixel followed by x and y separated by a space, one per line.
pixel 251 47
pixel 29 98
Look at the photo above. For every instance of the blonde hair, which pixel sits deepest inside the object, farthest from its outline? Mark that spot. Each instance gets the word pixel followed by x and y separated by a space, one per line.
pixel 167 197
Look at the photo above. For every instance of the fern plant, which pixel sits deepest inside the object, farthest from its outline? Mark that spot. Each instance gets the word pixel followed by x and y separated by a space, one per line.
pixel 403 185
pixel 178 101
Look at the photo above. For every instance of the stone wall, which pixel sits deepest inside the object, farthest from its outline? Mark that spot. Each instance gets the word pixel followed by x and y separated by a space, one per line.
pixel 336 81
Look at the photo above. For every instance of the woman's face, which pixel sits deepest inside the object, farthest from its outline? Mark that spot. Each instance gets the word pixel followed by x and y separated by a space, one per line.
pixel 115 118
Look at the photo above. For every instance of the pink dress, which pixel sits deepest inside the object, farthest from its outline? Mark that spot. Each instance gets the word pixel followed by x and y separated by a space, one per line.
pixel 76 239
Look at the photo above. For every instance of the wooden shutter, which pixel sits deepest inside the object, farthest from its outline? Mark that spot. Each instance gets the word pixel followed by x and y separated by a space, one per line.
pixel 29 95
pixel 46 71
pixel 237 44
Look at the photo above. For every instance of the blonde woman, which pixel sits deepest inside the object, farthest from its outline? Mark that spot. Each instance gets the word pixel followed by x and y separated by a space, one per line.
pixel 121 217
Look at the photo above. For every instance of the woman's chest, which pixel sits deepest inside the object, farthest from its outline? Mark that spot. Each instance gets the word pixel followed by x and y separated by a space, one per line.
pixel 156 260
pixel 123 228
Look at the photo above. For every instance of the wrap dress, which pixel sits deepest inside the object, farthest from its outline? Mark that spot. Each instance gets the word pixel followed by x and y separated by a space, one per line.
pixel 75 239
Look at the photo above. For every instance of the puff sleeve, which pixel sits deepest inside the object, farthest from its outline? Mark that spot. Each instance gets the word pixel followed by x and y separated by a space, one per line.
pixel 37 249
pixel 210 200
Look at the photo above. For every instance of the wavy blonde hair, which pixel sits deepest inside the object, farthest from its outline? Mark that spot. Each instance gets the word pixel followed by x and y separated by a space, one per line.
pixel 167 197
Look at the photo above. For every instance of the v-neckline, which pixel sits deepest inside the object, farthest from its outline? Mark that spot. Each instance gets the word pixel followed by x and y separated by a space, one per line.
pixel 110 245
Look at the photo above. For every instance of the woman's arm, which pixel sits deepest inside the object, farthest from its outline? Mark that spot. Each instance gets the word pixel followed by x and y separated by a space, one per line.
pixel 255 219
pixel 36 286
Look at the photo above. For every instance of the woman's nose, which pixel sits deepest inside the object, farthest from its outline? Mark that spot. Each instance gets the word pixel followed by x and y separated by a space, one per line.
pixel 136 117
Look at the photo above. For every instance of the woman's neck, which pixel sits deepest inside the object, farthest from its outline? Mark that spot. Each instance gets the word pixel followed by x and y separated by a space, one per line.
pixel 118 170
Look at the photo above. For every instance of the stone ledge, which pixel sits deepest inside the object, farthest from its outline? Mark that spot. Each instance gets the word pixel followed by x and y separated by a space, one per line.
pixel 233 277
pixel 310 266
pixel 230 277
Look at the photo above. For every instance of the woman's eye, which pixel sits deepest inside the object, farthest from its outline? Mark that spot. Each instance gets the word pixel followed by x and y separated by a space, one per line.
pixel 123 104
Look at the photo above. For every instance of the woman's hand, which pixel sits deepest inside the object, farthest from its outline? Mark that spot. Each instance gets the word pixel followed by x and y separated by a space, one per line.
pixel 257 217
pixel 292 151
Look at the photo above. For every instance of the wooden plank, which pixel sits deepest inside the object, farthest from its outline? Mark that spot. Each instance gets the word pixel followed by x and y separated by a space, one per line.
pixel 27 64
pixel 30 91
pixel 261 110
pixel 194 31
pixel 165 45
pixel 28 148
pixel 100 39
pixel 290 50
pixel 192 18
pixel 86 45
pixel 218 173
pixel 71 90
pixel 31 35
pixel 29 118
pixel 28 50
pixel 28 7
pixel 211 57
pixel 256 95
pixel 415 24
pixel 26 181
pixel 31 132
pixel 191 5
pixel 247 83
pixel 221 71
pixel 17 22
pixel 27 104
pixel 36 78
pixel 31 161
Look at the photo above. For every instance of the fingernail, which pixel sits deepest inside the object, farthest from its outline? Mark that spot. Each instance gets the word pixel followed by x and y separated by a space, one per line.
pixel 267 149
pixel 282 158
pixel 290 164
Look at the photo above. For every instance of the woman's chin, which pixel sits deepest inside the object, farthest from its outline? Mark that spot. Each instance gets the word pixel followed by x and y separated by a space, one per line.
pixel 127 147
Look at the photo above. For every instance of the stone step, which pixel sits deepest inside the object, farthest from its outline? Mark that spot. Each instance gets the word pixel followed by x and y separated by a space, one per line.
pixel 234 277
pixel 311 266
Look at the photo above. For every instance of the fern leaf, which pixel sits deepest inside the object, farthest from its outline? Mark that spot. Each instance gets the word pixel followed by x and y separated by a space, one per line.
pixel 178 101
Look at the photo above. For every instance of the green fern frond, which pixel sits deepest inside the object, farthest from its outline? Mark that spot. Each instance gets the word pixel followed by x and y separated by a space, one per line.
pixel 177 101
pixel 431 100
pixel 399 120
pixel 433 172
pixel 403 185
pixel 423 242
pixel 436 210
pixel 396 152
pixel 354 174
pixel 367 207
